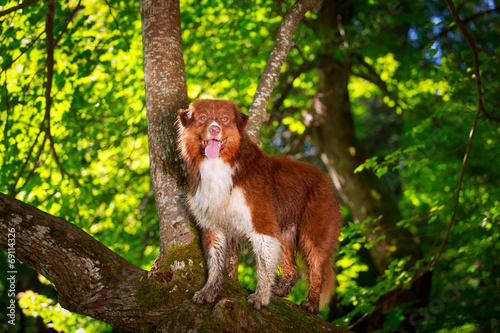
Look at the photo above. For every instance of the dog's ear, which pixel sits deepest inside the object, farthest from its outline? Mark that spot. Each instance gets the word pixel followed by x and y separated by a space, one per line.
pixel 185 117
pixel 241 120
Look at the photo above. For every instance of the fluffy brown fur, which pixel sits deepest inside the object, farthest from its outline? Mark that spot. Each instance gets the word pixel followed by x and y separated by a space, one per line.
pixel 280 205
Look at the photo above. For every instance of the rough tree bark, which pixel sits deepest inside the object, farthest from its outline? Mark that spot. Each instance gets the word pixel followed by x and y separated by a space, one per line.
pixel 93 280
pixel 166 93
pixel 364 193
pixel 90 278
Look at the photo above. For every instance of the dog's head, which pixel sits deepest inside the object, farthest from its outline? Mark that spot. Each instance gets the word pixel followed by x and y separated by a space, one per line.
pixel 213 128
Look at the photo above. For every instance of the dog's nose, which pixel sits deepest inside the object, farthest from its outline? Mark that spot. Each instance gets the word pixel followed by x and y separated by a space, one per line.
pixel 214 130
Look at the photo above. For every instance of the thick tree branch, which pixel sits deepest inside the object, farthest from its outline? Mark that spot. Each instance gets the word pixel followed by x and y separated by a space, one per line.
pixel 283 43
pixel 90 278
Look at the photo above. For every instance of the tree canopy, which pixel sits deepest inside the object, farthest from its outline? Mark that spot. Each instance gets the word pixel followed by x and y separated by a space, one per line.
pixel 420 119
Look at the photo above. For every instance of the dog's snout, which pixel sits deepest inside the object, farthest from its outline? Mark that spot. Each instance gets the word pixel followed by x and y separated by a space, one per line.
pixel 214 130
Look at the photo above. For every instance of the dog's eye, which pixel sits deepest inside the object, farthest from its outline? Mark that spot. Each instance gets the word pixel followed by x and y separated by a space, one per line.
pixel 204 118
pixel 225 118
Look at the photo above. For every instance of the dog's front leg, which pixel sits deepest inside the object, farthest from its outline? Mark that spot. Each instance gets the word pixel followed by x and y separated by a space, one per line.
pixel 267 250
pixel 217 256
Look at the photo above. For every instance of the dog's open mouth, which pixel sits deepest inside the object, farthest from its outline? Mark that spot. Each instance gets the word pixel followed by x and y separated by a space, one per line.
pixel 212 147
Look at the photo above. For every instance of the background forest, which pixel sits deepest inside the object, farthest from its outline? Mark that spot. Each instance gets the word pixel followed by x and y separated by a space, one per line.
pixel 395 100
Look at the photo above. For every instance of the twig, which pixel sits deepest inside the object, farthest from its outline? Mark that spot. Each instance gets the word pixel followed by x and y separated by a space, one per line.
pixel 459 187
pixel 32 171
pixel 117 25
pixel 68 21
pixel 7 109
pixel 480 109
pixel 22 53
pixel 440 154
pixel 448 28
pixel 480 49
pixel 20 6
pixel 13 188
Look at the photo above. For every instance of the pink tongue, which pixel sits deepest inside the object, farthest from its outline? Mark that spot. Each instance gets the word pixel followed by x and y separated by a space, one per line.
pixel 212 149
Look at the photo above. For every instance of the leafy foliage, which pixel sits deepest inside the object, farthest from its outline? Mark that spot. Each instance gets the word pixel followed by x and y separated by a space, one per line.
pixel 57 317
pixel 413 94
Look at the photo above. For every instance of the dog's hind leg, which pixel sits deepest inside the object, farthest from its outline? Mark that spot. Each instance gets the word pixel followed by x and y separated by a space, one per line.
pixel 289 274
pixel 315 262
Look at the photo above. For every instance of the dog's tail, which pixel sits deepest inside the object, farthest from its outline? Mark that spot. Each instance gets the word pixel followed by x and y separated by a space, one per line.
pixel 329 282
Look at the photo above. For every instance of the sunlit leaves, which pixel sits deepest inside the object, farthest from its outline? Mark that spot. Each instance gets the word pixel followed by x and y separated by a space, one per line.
pixel 395 160
pixel 97 124
pixel 213 33
pixel 56 317
pixel 294 125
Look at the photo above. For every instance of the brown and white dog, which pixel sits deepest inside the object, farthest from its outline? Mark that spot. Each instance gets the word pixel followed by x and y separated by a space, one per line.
pixel 280 205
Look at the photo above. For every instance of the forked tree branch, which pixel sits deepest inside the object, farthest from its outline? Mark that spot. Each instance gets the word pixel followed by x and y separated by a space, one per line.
pixel 49 64
pixel 284 41
pixel 454 25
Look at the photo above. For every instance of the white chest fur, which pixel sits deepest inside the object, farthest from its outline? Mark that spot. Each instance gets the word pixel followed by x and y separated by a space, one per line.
pixel 216 204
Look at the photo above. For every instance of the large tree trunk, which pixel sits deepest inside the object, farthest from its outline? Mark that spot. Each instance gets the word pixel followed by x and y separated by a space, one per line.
pixel 364 193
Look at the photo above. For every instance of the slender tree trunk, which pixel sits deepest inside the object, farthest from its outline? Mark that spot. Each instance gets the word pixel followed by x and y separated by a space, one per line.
pixel 364 193
pixel 166 93
pixel 282 44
